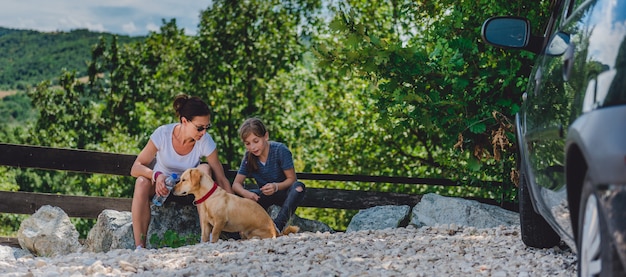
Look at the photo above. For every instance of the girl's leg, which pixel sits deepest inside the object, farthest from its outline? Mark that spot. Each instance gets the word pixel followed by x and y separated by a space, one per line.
pixel 295 195
pixel 140 209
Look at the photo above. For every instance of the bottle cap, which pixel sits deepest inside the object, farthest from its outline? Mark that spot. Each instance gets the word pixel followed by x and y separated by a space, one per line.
pixel 174 176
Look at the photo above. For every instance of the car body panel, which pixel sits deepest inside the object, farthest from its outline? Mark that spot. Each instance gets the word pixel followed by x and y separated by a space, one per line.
pixel 605 157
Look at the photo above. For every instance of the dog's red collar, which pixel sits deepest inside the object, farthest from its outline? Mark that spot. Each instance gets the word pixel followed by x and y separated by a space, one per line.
pixel 206 196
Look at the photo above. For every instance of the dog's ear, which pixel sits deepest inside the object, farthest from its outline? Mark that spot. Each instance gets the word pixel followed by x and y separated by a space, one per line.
pixel 196 175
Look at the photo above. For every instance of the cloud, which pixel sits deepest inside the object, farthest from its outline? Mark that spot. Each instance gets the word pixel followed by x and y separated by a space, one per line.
pixel 152 27
pixel 129 28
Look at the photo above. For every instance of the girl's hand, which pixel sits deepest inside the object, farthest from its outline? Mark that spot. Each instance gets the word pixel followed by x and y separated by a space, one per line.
pixel 252 196
pixel 269 188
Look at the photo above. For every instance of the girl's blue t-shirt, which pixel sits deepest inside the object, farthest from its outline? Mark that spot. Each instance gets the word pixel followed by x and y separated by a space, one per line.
pixel 278 160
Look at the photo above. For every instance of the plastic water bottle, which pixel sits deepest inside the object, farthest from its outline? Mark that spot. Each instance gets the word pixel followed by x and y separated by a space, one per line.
pixel 170 182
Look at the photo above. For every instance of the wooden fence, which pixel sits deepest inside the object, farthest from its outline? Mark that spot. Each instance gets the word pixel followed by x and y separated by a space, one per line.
pixel 27 156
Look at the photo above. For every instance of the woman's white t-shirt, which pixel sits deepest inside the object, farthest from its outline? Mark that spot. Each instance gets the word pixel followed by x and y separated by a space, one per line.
pixel 168 161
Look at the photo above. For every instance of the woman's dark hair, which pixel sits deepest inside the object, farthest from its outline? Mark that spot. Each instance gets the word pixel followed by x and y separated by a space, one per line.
pixel 190 106
pixel 252 126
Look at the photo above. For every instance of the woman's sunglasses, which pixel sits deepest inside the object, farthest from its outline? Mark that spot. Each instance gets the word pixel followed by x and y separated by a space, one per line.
pixel 202 128
pixel 199 128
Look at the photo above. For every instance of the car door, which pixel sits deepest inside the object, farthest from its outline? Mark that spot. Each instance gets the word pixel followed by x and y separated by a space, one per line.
pixel 547 114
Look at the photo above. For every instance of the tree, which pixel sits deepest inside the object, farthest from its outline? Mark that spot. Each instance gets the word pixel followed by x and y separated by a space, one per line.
pixel 239 49
pixel 439 87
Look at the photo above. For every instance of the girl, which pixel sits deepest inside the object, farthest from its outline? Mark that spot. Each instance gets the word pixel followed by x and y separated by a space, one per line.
pixel 176 147
pixel 270 163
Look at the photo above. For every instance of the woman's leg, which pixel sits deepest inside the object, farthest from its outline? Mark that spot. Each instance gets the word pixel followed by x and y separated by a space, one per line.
pixel 295 195
pixel 140 209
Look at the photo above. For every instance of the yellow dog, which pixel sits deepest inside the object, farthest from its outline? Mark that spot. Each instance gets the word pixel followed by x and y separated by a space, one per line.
pixel 221 211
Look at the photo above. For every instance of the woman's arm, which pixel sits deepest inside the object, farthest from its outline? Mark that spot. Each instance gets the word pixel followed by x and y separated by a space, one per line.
pixel 218 169
pixel 143 160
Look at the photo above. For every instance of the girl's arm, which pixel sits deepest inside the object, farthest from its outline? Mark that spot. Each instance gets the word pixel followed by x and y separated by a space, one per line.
pixel 218 172
pixel 291 178
pixel 240 190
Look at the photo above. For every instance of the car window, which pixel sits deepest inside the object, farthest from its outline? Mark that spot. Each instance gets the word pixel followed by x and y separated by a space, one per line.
pixel 595 29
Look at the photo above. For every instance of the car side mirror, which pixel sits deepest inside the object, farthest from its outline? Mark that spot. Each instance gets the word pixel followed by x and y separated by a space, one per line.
pixel 510 32
pixel 558 45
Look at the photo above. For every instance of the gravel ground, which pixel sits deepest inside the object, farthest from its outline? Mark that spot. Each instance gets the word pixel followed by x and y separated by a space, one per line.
pixel 428 251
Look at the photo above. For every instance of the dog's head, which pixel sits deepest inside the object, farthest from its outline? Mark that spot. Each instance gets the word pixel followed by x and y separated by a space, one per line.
pixel 189 183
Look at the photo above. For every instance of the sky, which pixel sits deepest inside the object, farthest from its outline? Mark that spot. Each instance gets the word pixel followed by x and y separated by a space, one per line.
pixel 123 17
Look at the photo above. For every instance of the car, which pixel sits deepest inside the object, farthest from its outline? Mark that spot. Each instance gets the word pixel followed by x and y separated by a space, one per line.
pixel 571 130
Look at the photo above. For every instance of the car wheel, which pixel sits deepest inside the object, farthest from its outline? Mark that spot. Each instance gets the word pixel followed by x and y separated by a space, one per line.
pixel 594 238
pixel 536 232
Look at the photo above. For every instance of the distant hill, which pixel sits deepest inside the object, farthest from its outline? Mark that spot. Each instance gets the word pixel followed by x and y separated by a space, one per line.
pixel 28 57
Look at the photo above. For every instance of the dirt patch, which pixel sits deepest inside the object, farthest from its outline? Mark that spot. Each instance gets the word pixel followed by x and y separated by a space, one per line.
pixel 5 93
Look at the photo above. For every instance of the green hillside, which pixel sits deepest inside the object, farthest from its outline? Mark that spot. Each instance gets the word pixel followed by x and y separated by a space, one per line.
pixel 28 57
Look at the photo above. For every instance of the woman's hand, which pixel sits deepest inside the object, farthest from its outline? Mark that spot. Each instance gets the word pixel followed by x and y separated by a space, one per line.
pixel 159 185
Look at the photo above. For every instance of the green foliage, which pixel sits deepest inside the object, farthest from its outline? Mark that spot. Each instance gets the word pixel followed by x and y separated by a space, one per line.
pixel 16 109
pixel 438 87
pixel 29 57
pixel 173 240
pixel 83 226
pixel 240 48
pixel 7 179
pixel 10 223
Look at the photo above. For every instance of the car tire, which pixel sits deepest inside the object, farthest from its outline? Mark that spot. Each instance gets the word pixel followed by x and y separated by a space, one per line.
pixel 596 254
pixel 535 231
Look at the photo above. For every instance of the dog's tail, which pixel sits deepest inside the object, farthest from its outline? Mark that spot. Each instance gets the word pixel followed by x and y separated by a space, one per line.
pixel 290 230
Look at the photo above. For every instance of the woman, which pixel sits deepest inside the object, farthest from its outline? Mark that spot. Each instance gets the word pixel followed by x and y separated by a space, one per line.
pixel 176 147
pixel 270 163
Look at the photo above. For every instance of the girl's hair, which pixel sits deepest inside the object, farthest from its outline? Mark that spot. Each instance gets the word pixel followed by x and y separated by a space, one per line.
pixel 252 126
pixel 190 106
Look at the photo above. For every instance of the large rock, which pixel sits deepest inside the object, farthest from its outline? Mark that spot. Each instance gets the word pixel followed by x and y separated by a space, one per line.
pixel 113 230
pixel 308 225
pixel 180 218
pixel 48 232
pixel 379 217
pixel 434 210
pixel 305 225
